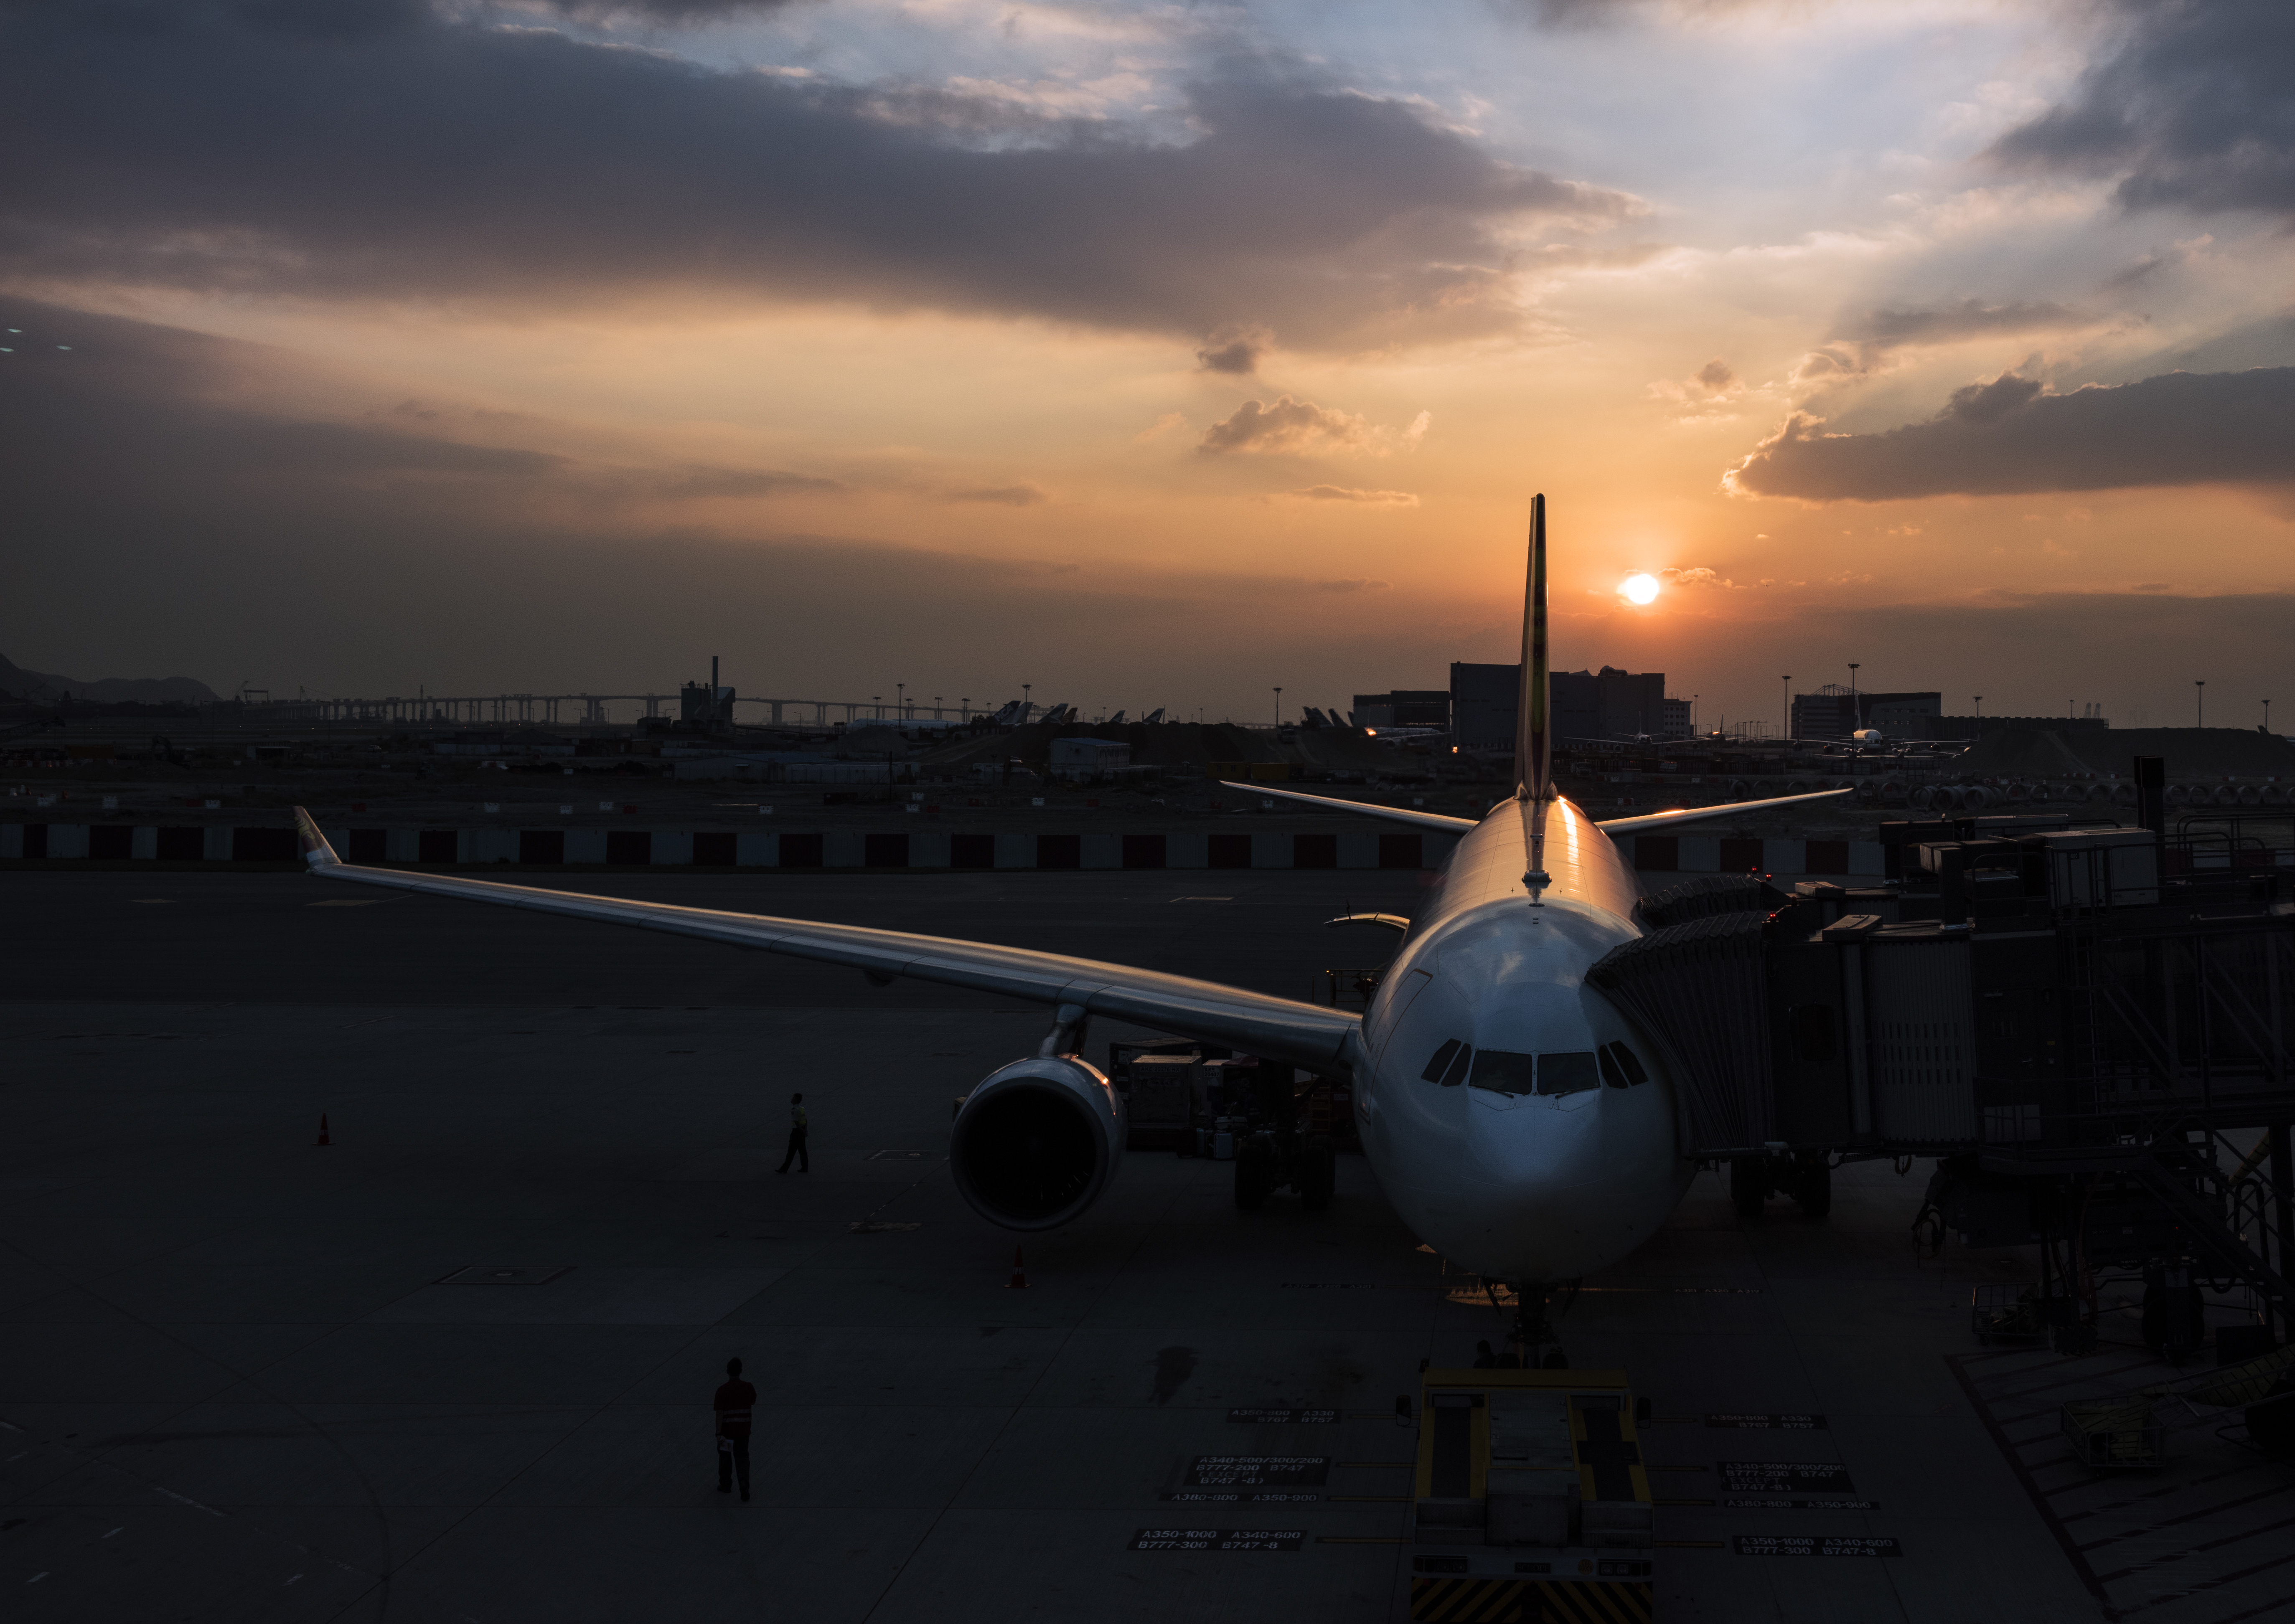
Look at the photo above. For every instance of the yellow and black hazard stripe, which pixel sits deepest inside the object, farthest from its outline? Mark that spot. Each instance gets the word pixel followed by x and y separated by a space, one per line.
pixel 1579 1602
pixel 1472 1601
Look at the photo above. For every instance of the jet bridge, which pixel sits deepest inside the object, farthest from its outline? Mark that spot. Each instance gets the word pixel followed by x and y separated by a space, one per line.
pixel 2087 1026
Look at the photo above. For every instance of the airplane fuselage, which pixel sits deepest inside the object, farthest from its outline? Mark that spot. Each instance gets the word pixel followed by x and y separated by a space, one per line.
pixel 1546 1154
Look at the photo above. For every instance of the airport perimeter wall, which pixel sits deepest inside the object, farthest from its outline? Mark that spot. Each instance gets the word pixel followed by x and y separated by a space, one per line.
pixel 752 848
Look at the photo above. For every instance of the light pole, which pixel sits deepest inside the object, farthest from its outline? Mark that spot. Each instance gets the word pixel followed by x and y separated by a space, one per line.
pixel 964 709
pixel 1784 708
pixel 879 701
pixel 2200 687
pixel 1855 716
pixel 900 700
pixel 1979 713
pixel 1024 705
pixel 1278 707
pixel 2266 715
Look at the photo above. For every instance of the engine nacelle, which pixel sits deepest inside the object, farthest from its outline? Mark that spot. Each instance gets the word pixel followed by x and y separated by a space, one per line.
pixel 1037 1142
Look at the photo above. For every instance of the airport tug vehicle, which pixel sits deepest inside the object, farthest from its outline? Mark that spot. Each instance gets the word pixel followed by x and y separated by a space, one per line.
pixel 1532 1504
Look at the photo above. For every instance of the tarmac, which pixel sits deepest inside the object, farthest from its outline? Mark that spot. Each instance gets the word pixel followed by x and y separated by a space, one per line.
pixel 457 1362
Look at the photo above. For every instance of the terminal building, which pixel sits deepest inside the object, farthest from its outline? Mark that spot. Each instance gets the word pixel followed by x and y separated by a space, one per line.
pixel 1834 712
pixel 1585 704
pixel 1405 707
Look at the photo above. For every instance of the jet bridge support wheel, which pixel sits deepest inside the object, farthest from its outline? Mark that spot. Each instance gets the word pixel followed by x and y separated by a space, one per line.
pixel 1254 1171
pixel 1813 1186
pixel 1749 1184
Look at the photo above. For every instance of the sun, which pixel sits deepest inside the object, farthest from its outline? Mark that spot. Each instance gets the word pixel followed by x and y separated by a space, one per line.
pixel 1638 589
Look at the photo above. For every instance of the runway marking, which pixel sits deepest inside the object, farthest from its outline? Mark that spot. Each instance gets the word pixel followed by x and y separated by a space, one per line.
pixel 493 1274
pixel 186 1499
pixel 1218 1538
pixel 1182 1494
pixel 1814 1545
pixel 1803 1424
pixel 1250 1471
pixel 1754 1476
pixel 1287 1418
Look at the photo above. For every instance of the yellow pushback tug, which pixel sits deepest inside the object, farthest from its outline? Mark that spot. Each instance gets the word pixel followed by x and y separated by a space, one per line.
pixel 1533 1504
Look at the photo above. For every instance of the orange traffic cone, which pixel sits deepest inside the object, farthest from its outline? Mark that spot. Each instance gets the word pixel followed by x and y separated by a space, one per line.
pixel 1019 1280
pixel 323 1140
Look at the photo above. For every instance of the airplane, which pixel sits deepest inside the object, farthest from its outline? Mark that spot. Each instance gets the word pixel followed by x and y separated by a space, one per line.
pixel 1517 1121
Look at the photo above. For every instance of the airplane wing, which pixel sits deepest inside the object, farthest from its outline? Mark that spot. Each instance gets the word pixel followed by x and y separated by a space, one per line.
pixel 1460 826
pixel 1275 1028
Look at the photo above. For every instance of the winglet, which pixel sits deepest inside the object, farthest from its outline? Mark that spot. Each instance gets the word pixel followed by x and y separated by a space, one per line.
pixel 316 852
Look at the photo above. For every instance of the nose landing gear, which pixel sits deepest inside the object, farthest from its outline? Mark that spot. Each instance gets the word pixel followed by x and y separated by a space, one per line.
pixel 1535 1341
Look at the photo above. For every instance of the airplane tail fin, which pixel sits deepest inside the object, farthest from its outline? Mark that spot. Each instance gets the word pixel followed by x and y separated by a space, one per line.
pixel 1533 751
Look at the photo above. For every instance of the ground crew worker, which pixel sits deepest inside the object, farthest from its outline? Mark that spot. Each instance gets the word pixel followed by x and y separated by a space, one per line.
pixel 797 1153
pixel 734 1403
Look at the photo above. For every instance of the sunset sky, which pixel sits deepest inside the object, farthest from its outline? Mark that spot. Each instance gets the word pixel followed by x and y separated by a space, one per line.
pixel 1152 355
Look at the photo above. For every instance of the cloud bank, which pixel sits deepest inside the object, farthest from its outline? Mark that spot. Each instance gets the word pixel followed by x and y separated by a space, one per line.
pixel 2013 435
pixel 398 151
pixel 2191 110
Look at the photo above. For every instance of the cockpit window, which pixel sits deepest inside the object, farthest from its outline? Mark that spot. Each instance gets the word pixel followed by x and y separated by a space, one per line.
pixel 1456 1074
pixel 1502 1071
pixel 1621 1068
pixel 1441 1063
pixel 1570 1072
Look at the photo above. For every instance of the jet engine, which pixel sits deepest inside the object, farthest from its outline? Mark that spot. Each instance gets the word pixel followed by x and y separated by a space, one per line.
pixel 1037 1143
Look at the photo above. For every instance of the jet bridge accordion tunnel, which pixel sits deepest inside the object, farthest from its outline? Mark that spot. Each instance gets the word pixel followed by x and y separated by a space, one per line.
pixel 2087 1026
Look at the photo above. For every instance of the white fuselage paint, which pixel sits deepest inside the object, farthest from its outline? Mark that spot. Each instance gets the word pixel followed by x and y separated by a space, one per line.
pixel 1523 1187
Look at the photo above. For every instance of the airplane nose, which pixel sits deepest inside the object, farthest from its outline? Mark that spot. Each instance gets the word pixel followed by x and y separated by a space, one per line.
pixel 1530 1143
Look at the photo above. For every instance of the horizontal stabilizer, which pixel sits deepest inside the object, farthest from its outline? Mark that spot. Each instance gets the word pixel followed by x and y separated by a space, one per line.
pixel 1698 814
pixel 1393 814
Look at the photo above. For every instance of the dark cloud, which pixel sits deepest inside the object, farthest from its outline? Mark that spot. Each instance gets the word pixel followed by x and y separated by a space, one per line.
pixel 1867 343
pixel 2012 435
pixel 1340 493
pixel 702 482
pixel 686 12
pixel 1971 318
pixel 1008 495
pixel 205 145
pixel 131 406
pixel 1294 428
pixel 2192 109
pixel 1237 354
